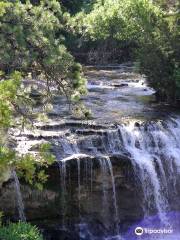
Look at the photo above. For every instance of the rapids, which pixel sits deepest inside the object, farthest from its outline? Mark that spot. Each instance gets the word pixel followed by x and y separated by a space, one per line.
pixel 118 171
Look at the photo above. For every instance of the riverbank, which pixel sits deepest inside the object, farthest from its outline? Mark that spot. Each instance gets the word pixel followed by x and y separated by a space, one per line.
pixel 112 172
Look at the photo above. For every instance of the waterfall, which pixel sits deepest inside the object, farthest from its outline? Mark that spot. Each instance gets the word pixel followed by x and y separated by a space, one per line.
pixel 153 149
pixel 116 170
pixel 151 146
pixel 62 169
pixel 143 160
pixel 113 142
pixel 109 165
pixel 20 202
pixel 91 175
pixel 104 172
pixel 67 147
pixel 79 182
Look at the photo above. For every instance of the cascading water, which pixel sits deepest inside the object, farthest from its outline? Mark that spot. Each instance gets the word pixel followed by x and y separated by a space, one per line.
pixel 20 202
pixel 106 168
pixel 114 171
pixel 104 175
pixel 62 168
pixel 154 149
pixel 109 166
pixel 72 150
pixel 79 181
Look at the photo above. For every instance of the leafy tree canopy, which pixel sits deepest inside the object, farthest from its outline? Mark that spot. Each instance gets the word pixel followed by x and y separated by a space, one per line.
pixel 32 45
pixel 117 19
pixel 153 29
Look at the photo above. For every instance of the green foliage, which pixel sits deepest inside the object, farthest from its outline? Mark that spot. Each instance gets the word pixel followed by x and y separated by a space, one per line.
pixel 27 165
pixel 159 59
pixel 119 19
pixel 80 111
pixel 32 45
pixel 114 27
pixel 30 167
pixel 20 231
pixel 6 157
pixel 33 169
pixel 32 42
pixel 154 32
pixel 8 94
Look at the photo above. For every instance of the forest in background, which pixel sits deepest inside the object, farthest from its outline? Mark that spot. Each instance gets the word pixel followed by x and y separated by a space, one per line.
pixel 46 39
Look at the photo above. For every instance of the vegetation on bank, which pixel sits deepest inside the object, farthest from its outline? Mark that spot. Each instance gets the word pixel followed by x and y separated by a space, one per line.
pixel 37 42
pixel 149 29
pixel 35 36
pixel 20 231
pixel 32 46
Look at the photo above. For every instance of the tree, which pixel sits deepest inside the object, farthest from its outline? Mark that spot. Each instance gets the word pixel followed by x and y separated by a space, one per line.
pixel 159 58
pixel 153 31
pixel 31 44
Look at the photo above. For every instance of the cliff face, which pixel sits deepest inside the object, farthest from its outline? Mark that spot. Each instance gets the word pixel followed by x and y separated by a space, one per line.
pixel 82 192
pixel 112 171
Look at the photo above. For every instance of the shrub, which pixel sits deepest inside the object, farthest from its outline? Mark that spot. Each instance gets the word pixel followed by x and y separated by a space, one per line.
pixel 20 231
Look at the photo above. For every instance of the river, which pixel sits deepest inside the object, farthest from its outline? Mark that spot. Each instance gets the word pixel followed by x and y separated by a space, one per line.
pixel 115 172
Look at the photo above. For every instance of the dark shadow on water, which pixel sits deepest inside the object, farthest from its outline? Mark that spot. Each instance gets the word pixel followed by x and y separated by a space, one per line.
pixel 153 229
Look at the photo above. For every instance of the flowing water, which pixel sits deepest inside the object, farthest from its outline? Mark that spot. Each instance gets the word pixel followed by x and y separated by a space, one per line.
pixel 20 202
pixel 154 152
pixel 143 161
pixel 128 132
pixel 109 166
